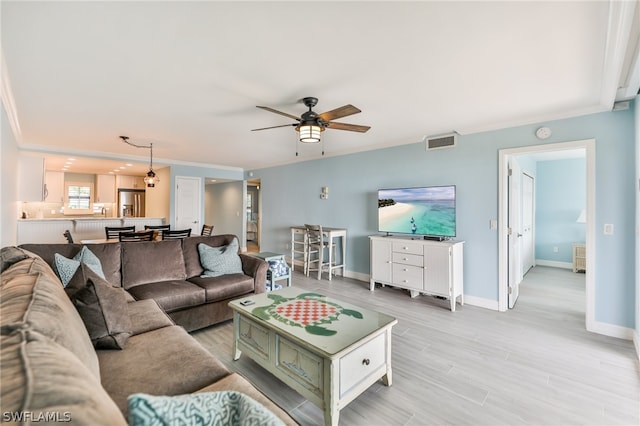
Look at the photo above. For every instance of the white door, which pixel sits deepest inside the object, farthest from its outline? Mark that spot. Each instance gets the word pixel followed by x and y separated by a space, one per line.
pixel 527 223
pixel 515 231
pixel 188 206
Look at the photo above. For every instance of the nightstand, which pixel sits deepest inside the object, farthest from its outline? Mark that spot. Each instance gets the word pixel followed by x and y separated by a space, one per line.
pixel 579 257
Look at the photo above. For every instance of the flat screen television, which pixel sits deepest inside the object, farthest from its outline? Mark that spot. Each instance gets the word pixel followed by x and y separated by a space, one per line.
pixel 428 211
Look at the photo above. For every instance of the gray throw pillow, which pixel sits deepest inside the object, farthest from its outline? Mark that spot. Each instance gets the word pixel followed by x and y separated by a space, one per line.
pixel 103 309
pixel 222 260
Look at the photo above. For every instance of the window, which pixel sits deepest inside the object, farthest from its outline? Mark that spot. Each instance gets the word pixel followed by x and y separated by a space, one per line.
pixel 78 197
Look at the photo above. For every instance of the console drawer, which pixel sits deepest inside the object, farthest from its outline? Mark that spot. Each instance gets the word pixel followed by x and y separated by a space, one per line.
pixel 361 363
pixel 407 247
pixel 408 259
pixel 408 276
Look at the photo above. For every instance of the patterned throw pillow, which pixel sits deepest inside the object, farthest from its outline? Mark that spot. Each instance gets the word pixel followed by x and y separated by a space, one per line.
pixel 225 408
pixel 222 260
pixel 65 268
pixel 278 268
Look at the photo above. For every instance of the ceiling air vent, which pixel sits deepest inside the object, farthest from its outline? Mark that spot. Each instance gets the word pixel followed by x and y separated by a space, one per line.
pixel 444 141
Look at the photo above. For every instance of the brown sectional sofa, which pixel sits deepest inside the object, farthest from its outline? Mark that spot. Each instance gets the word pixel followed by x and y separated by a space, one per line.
pixel 169 273
pixel 50 369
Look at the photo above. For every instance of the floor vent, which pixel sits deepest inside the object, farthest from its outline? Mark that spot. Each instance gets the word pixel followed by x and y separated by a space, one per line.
pixel 444 141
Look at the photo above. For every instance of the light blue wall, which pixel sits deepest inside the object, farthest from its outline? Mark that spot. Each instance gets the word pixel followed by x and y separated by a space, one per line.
pixel 8 184
pixel 290 196
pixel 560 198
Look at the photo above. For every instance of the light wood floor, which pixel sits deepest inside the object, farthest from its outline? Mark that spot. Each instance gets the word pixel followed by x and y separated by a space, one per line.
pixel 534 365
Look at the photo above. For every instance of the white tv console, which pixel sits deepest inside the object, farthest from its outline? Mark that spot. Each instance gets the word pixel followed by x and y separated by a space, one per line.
pixel 418 265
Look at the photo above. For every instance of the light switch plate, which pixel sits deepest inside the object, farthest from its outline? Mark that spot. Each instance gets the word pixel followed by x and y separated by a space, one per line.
pixel 608 229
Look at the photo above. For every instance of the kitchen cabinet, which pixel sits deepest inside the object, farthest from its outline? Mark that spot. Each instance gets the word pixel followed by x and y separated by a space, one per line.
pixel 31 178
pixel 106 190
pixel 130 182
pixel 54 187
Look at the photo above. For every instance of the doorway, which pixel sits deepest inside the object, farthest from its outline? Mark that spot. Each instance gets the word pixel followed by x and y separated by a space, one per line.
pixel 505 241
pixel 252 208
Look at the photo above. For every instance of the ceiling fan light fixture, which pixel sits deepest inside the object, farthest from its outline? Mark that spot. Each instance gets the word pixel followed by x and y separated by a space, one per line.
pixel 310 133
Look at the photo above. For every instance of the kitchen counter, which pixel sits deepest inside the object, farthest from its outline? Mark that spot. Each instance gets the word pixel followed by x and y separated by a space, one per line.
pixel 50 230
pixel 72 218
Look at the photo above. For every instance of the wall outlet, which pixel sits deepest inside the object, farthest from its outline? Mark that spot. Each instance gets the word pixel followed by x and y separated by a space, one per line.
pixel 493 224
pixel 556 249
pixel 287 246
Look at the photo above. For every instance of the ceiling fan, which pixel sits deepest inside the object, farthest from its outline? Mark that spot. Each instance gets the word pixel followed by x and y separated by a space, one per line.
pixel 311 124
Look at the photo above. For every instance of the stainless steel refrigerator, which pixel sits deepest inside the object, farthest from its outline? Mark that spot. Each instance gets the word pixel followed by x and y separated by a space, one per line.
pixel 131 202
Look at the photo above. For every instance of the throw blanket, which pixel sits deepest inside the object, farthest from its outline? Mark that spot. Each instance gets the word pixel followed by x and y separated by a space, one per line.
pixel 226 408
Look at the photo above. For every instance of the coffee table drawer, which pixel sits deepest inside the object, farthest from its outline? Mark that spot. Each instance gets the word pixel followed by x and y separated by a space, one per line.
pixel 361 363
pixel 301 365
pixel 254 336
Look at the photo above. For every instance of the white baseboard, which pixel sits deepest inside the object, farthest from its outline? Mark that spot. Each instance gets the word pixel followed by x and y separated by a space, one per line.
pixel 357 276
pixel 554 264
pixel 636 343
pixel 481 302
pixel 612 330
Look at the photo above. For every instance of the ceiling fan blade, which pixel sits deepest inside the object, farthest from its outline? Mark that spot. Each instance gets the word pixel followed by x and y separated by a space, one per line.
pixel 350 127
pixel 278 112
pixel 275 127
pixel 343 111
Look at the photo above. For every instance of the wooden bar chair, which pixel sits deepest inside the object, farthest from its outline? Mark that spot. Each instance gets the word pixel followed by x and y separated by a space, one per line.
pixel 112 232
pixel 158 228
pixel 136 236
pixel 207 230
pixel 176 235
pixel 316 244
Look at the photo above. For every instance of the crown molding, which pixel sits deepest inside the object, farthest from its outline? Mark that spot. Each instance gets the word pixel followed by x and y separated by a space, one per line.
pixel 619 40
pixel 7 100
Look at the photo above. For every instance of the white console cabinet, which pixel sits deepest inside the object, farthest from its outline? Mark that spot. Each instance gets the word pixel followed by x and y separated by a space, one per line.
pixel 420 266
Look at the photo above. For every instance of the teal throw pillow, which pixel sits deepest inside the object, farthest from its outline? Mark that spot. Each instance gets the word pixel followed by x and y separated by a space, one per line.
pixel 222 260
pixel 66 268
pixel 225 408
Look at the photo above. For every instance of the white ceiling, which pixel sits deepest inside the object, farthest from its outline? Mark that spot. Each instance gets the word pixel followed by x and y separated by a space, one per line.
pixel 188 75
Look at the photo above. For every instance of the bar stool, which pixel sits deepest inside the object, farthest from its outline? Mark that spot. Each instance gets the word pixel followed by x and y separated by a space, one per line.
pixel 315 243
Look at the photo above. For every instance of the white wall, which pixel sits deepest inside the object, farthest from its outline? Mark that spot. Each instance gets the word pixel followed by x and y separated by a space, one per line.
pixel 8 184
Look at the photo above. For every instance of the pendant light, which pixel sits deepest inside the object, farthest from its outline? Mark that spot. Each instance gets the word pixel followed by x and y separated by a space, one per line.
pixel 151 179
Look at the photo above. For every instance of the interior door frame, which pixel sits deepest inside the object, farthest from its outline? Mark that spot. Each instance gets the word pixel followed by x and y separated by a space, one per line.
pixel 589 145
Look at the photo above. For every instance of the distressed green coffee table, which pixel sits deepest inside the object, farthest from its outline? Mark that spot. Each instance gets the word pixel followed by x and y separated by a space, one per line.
pixel 329 351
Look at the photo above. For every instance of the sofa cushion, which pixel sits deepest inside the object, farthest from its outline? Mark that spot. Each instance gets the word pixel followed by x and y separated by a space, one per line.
pixel 191 255
pixel 224 287
pixel 32 298
pixel 146 315
pixel 170 295
pixel 66 268
pixel 229 408
pixel 10 255
pixel 104 311
pixel 109 255
pixel 153 261
pixel 45 379
pixel 221 260
pixel 166 361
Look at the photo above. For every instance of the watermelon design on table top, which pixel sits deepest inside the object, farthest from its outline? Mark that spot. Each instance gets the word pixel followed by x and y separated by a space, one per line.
pixel 308 310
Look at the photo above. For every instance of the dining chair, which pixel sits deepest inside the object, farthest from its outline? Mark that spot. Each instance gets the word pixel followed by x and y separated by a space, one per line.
pixel 159 228
pixel 136 236
pixel 67 235
pixel 176 235
pixel 113 232
pixel 207 230
pixel 316 244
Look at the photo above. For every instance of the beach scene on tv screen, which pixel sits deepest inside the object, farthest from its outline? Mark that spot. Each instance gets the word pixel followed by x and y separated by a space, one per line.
pixel 423 211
